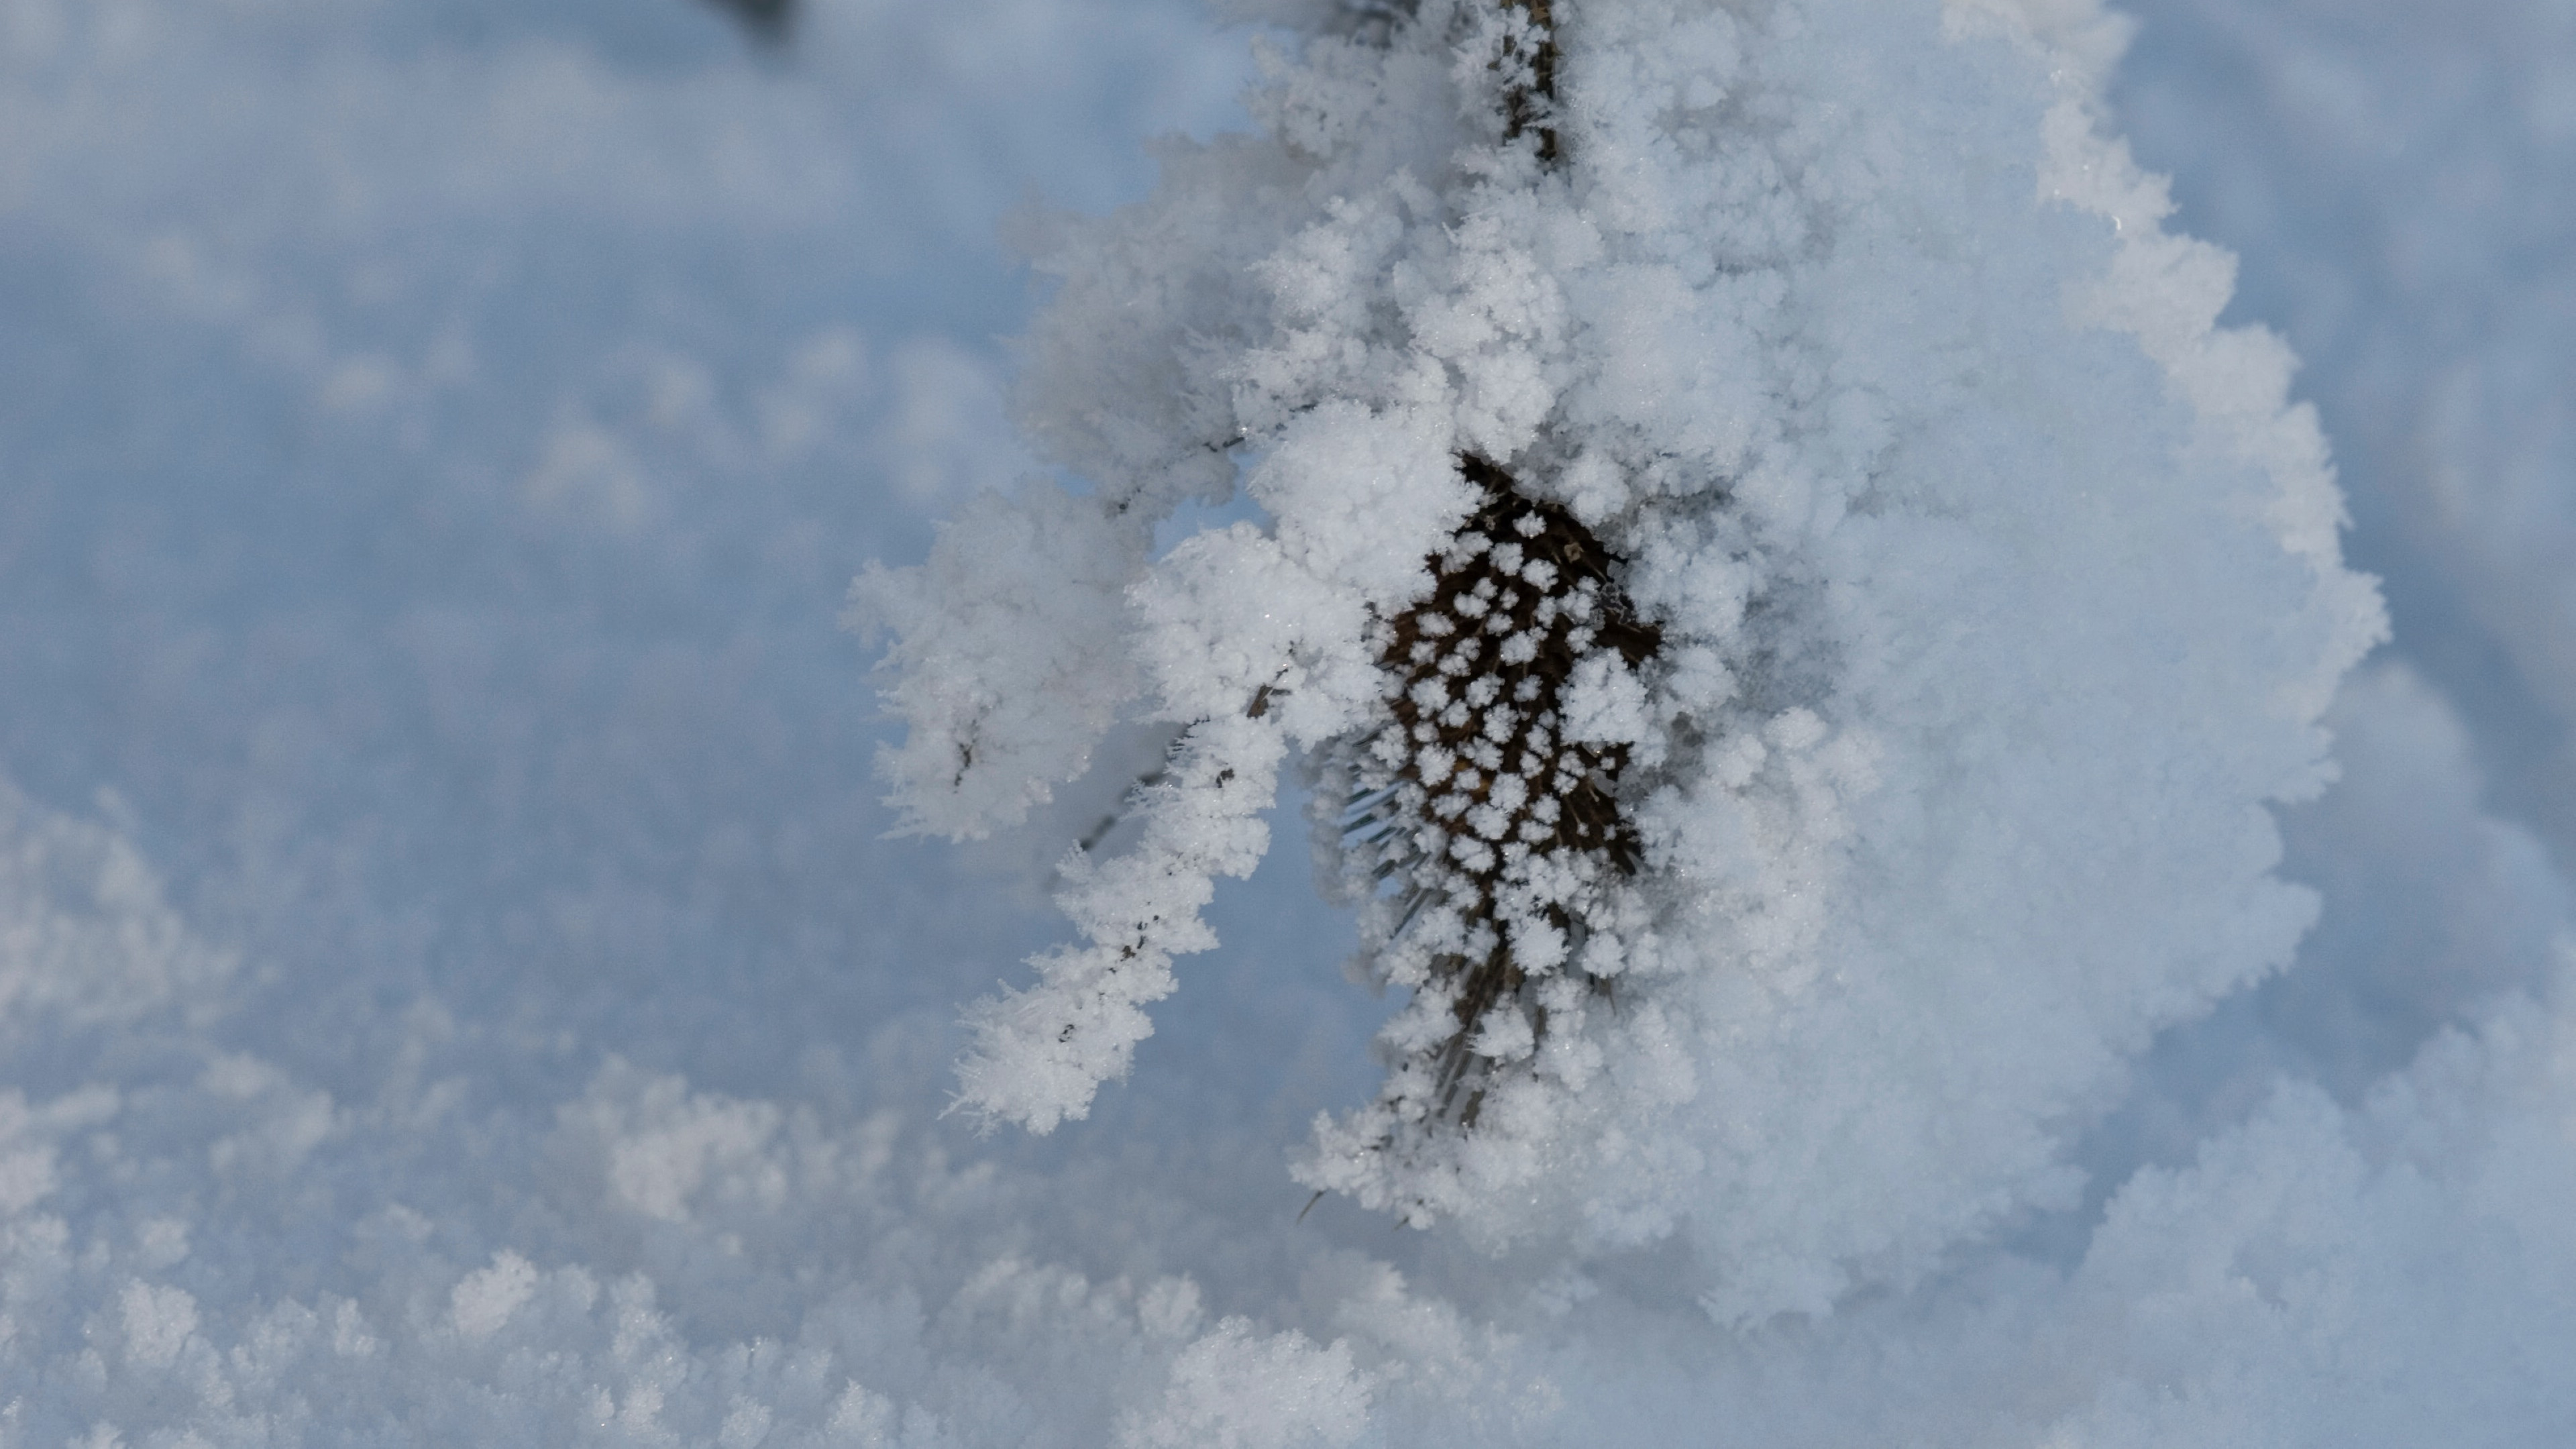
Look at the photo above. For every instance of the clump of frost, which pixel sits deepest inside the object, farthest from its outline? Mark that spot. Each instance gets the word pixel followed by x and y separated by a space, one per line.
pixel 1010 662
pixel 2395 1274
pixel 1989 594
pixel 1230 1392
pixel 85 938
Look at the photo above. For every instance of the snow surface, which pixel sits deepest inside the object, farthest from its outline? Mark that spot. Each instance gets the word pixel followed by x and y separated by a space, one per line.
pixel 456 988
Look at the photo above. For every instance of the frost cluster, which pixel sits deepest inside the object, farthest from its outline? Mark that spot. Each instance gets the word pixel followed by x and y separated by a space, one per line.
pixel 1933 600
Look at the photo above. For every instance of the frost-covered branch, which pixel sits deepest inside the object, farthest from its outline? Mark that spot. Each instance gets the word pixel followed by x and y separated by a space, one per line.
pixel 1794 609
pixel 1040 1053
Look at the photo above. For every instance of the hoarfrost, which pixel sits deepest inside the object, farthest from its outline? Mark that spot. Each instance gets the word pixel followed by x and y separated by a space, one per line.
pixel 453 990
pixel 1954 596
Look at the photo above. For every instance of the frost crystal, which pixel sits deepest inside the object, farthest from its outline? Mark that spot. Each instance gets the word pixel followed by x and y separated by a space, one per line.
pixel 1795 612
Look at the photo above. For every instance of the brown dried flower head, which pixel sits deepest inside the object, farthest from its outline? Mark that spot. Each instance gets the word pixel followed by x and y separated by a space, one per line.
pixel 1485 828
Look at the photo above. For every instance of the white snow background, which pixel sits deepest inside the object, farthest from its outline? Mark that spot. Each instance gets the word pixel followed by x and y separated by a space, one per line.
pixel 455 987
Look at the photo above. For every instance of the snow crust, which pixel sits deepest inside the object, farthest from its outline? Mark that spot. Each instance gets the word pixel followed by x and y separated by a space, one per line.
pixel 454 988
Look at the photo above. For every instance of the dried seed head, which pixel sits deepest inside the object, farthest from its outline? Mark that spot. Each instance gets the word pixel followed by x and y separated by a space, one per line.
pixel 1493 827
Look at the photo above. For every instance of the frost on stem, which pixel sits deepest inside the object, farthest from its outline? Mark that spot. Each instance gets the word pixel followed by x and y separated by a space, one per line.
pixel 1040 1053
pixel 1487 824
pixel 1529 101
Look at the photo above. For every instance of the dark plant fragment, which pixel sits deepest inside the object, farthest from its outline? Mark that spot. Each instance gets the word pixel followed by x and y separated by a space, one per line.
pixel 1469 795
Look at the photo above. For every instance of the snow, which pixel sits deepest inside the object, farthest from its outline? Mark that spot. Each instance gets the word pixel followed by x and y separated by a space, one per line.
pixel 459 982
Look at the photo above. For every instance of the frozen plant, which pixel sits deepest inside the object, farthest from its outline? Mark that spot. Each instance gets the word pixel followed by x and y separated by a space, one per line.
pixel 1794 611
